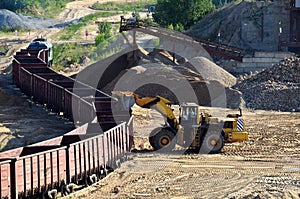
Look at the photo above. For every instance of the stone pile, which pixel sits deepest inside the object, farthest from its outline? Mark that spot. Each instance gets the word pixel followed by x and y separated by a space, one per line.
pixel 275 88
pixel 13 20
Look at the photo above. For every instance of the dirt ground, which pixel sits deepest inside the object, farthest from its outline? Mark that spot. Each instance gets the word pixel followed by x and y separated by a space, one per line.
pixel 23 122
pixel 265 166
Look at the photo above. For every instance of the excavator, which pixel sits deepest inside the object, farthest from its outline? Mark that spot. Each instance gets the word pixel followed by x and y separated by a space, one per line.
pixel 195 129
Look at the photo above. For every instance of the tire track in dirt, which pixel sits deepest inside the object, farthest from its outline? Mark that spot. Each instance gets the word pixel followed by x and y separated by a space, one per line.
pixel 76 10
pixel 205 177
pixel 266 166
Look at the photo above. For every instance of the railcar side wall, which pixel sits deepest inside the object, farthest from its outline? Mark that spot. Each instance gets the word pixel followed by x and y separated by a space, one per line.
pixel 91 149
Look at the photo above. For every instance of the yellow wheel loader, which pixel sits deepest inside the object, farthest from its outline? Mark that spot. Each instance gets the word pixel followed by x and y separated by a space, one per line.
pixel 194 129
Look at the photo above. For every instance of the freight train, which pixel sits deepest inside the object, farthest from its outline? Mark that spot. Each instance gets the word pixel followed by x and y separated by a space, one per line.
pixel 82 156
pixel 42 43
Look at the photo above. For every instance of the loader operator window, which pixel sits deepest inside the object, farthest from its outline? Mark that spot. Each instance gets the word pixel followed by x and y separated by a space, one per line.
pixel 185 114
pixel 189 114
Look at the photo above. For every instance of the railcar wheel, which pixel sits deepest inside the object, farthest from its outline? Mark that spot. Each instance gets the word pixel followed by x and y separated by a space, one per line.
pixel 67 189
pixel 52 194
pixel 92 179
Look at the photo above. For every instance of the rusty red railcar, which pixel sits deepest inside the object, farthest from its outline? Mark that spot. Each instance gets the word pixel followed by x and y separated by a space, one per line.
pixel 27 58
pixel 5 190
pixel 80 156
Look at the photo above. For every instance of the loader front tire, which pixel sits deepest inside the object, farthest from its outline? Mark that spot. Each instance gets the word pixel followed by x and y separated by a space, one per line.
pixel 152 134
pixel 164 140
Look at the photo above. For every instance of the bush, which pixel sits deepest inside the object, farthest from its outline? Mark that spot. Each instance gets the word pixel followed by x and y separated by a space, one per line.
pixel 99 39
pixel 6 28
pixel 105 28
pixel 129 6
pixel 45 7
pixel 181 13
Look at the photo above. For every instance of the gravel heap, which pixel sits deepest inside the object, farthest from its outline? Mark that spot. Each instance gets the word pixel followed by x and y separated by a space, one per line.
pixel 275 88
pixel 211 71
pixel 11 19
pixel 172 82
pixel 153 73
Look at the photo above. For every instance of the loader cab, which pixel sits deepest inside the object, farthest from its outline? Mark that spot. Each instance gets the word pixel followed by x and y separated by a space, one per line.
pixel 189 114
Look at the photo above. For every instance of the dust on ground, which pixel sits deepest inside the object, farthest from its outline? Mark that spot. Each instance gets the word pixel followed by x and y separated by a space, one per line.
pixel 23 122
pixel 266 166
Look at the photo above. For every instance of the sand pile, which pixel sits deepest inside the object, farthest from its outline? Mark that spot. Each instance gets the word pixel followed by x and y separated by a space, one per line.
pixel 154 72
pixel 199 79
pixel 275 88
pixel 211 71
pixel 200 67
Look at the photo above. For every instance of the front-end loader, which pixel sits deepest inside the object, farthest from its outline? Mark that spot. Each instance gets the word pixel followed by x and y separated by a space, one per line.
pixel 194 129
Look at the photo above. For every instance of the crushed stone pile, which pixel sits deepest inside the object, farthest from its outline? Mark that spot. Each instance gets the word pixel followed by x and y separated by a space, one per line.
pixel 236 24
pixel 11 19
pixel 275 88
pixel 150 74
pixel 200 67
pixel 174 83
pixel 211 71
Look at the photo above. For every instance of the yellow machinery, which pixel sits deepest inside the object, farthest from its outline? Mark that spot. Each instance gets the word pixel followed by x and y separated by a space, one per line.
pixel 194 129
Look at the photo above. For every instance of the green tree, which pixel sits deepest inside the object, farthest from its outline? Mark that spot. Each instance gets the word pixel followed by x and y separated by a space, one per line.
pixel 181 13
pixel 105 28
pixel 9 5
pixel 27 5
pixel 99 39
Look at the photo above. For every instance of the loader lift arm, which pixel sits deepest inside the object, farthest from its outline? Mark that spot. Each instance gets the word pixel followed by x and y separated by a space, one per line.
pixel 158 103
pixel 162 138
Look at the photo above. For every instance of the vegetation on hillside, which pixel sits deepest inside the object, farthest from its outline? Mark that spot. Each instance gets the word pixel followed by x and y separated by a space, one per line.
pixel 220 3
pixel 125 7
pixel 8 29
pixel 67 54
pixel 104 30
pixel 69 31
pixel 180 13
pixel 48 8
pixel 4 49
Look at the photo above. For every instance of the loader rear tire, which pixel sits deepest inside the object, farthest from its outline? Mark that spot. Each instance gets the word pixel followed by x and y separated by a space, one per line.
pixel 213 142
pixel 164 140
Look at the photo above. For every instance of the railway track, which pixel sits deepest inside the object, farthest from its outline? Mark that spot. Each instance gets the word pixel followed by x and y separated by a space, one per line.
pixel 82 156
